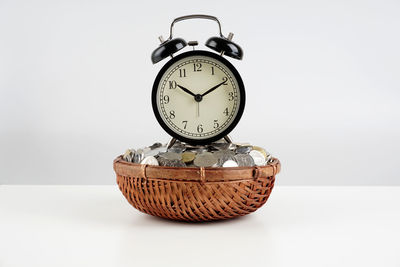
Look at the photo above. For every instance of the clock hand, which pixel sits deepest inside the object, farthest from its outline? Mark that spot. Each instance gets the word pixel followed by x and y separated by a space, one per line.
pixel 213 88
pixel 186 90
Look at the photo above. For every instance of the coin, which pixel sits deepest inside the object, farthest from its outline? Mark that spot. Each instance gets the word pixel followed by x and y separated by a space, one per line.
pixel 244 160
pixel 155 145
pixel 162 161
pixel 198 150
pixel 265 153
pixel 154 152
pixel 230 163
pixel 170 155
pixel 242 144
pixel 188 156
pixel 216 154
pixel 243 149
pixel 177 148
pixel 258 157
pixel 150 160
pixel 171 162
pixel 128 155
pixel 262 150
pixel 176 163
pixel 139 156
pixel 220 153
pixel 225 157
pixel 205 159
pixel 219 146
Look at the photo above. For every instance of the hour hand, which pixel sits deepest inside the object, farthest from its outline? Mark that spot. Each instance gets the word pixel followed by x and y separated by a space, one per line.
pixel 186 90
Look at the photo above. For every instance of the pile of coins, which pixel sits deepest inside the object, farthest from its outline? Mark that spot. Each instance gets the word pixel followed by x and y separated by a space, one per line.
pixel 218 154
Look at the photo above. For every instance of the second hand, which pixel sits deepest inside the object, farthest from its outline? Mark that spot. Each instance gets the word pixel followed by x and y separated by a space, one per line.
pixel 198 109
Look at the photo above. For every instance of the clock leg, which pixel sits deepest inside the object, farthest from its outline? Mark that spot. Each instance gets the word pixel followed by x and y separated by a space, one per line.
pixel 171 142
pixel 228 139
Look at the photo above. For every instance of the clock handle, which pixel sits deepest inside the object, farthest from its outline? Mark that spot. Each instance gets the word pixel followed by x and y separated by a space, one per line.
pixel 196 16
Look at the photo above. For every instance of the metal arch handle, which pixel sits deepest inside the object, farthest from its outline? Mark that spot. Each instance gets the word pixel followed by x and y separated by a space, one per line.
pixel 195 16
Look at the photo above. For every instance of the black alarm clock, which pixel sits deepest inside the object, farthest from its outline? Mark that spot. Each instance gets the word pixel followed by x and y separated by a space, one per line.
pixel 198 96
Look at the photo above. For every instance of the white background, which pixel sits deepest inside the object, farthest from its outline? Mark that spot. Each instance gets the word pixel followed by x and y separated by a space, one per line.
pixel 322 83
pixel 47 226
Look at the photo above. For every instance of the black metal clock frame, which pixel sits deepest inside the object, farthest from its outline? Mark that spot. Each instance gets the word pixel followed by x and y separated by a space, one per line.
pixel 223 133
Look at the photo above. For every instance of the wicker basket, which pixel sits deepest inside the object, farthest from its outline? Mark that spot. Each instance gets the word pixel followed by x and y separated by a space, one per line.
pixel 195 194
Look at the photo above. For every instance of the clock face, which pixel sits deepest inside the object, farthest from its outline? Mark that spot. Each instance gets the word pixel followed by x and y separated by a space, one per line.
pixel 198 97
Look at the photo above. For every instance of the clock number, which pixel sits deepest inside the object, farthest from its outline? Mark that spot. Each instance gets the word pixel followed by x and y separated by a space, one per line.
pixel 172 84
pixel 231 96
pixel 216 124
pixel 225 81
pixel 182 73
pixel 226 112
pixel 172 114
pixel 212 70
pixel 166 99
pixel 200 128
pixel 196 67
pixel 184 124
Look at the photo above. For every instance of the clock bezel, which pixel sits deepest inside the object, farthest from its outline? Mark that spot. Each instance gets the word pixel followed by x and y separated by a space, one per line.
pixel 240 85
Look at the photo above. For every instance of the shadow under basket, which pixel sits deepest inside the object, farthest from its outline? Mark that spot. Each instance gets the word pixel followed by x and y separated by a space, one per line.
pixel 195 194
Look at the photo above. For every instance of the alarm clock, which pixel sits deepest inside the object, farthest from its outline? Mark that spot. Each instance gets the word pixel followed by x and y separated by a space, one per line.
pixel 198 96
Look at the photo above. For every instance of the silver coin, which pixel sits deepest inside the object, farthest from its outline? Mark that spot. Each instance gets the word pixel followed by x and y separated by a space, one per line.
pixel 225 157
pixel 162 161
pixel 177 148
pixel 154 152
pixel 171 162
pixel 221 153
pixel 244 160
pixel 155 145
pixel 258 157
pixel 243 149
pixel 230 163
pixel 146 150
pixel 232 146
pixel 219 146
pixel 176 163
pixel 189 146
pixel 170 155
pixel 205 159
pixel 139 156
pixel 129 155
pixel 150 160
pixel 198 150
pixel 241 144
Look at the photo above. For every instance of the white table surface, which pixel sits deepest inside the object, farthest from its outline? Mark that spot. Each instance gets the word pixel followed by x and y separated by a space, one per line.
pixel 298 226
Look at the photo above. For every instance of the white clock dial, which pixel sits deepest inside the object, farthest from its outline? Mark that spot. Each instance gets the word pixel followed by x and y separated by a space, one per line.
pixel 198 97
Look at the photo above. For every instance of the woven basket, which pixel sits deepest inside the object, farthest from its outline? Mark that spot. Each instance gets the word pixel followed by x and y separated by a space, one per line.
pixel 195 194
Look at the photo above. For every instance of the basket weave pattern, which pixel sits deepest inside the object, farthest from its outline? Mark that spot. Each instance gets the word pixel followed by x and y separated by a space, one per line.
pixel 193 194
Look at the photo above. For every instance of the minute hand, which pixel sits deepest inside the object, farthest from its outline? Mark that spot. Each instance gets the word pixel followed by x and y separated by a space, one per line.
pixel 212 89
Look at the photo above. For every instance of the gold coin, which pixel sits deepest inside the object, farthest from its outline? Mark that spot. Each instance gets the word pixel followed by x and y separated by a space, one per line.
pixel 188 157
pixel 260 149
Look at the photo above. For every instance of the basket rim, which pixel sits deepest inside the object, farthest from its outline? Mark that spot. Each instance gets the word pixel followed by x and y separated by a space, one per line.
pixel 207 174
